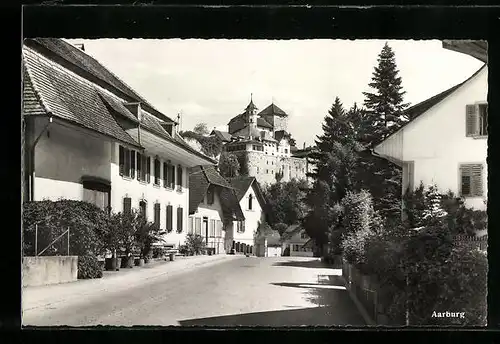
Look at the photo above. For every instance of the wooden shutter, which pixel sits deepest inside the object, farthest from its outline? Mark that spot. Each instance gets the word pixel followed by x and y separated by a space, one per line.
pixel 157 171
pixel 132 164
pixel 179 219
pixel 191 225
pixel 157 214
pixel 172 176
pixel 169 217
pixel 471 120
pixel 127 205
pixel 148 169
pixel 121 160
pixel 179 176
pixel 139 166
pixel 165 173
pixel 477 180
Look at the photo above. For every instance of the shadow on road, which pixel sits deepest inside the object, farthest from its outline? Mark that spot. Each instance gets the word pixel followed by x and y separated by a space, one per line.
pixel 314 316
pixel 316 263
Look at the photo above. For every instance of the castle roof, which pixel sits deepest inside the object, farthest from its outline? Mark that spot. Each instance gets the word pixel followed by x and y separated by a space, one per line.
pixel 273 110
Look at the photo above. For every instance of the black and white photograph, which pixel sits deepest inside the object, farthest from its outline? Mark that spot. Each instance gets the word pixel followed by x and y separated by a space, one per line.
pixel 254 182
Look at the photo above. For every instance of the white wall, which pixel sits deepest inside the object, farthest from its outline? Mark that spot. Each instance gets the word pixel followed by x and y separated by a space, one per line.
pixel 252 218
pixel 437 143
pixel 63 155
pixel 122 187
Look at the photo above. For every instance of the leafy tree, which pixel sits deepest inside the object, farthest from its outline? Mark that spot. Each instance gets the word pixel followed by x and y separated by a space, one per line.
pixel 195 244
pixel 385 105
pixel 284 202
pixel 146 234
pixel 210 145
pixel 201 129
pixel 229 165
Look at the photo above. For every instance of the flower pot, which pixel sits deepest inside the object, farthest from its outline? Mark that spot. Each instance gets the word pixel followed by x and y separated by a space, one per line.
pixel 171 257
pixel 112 264
pixel 139 261
pixel 127 262
pixel 146 260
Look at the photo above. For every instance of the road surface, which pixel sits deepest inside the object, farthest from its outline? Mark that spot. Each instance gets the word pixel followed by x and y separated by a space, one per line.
pixel 248 291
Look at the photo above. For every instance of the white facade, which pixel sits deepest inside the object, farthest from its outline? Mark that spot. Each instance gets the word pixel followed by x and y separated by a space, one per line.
pixel 253 216
pixel 207 222
pixel 433 146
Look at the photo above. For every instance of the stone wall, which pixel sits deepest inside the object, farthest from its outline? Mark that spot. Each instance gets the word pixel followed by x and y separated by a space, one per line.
pixel 49 270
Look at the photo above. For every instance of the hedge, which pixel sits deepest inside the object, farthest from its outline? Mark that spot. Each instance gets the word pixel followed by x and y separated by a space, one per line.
pixel 89 267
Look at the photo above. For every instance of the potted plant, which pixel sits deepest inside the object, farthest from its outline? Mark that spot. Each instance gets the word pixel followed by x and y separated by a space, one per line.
pixel 112 242
pixel 146 234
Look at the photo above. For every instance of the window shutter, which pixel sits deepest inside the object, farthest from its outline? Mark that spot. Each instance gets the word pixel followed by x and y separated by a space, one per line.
pixel 148 169
pixel 165 173
pixel 465 180
pixel 477 180
pixel 157 214
pixel 121 160
pixel 139 165
pixel 169 217
pixel 179 176
pixel 127 205
pixel 172 176
pixel 471 120
pixel 179 220
pixel 132 164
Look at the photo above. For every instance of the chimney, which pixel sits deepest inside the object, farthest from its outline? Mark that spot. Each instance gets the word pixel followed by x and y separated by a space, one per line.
pixel 304 145
pixel 80 46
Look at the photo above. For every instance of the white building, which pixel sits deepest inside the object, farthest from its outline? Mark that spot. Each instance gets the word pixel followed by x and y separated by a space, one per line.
pixel 252 203
pixel 296 242
pixel 213 206
pixel 445 142
pixel 90 137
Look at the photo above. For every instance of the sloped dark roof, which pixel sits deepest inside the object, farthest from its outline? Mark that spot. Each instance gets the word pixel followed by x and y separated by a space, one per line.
pixel 84 62
pixel 32 105
pixel 200 178
pixel 72 99
pixel 251 106
pixel 261 122
pixel 280 134
pixel 242 184
pixel 273 110
pixel 222 135
pixel 419 109
pixel 118 107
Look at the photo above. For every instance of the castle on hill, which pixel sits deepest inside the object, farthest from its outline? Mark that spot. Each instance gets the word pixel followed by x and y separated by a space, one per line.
pixel 263 145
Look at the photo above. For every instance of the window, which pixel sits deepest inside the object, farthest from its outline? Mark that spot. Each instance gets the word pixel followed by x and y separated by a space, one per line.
pixel 250 199
pixel 127 205
pixel 96 192
pixel 126 162
pixel 303 235
pixel 476 120
pixel 210 195
pixel 171 176
pixel 212 228
pixel 471 180
pixel 241 226
pixel 219 229
pixel 169 218
pixel 286 151
pixel 143 208
pixel 197 224
pixel 179 177
pixel 191 225
pixel 179 219
pixel 157 214
pixel 157 171
pixel 257 169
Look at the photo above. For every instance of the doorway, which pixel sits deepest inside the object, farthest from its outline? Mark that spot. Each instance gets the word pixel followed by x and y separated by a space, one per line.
pixel 205 229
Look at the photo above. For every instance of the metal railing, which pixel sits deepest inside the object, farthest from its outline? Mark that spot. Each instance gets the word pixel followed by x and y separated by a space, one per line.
pixel 52 243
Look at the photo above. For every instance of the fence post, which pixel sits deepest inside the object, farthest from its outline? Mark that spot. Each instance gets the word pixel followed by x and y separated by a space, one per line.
pixel 68 240
pixel 36 239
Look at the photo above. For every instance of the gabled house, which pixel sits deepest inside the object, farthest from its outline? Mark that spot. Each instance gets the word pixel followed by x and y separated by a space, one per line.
pixel 252 202
pixel 296 242
pixel 90 137
pixel 213 206
pixel 445 142
pixel 225 137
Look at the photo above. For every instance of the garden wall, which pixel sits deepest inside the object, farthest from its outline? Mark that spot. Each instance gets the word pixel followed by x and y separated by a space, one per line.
pixel 49 270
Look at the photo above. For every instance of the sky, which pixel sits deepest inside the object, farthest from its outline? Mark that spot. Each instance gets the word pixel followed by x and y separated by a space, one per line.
pixel 211 81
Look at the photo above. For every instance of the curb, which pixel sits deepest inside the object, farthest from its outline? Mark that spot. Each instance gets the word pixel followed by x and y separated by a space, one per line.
pixel 368 319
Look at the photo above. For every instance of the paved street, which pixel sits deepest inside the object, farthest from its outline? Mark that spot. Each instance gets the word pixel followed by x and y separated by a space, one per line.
pixel 284 291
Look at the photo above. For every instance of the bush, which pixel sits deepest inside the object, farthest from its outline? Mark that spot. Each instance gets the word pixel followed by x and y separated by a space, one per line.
pixel 195 244
pixel 87 224
pixel 444 277
pixel 89 267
